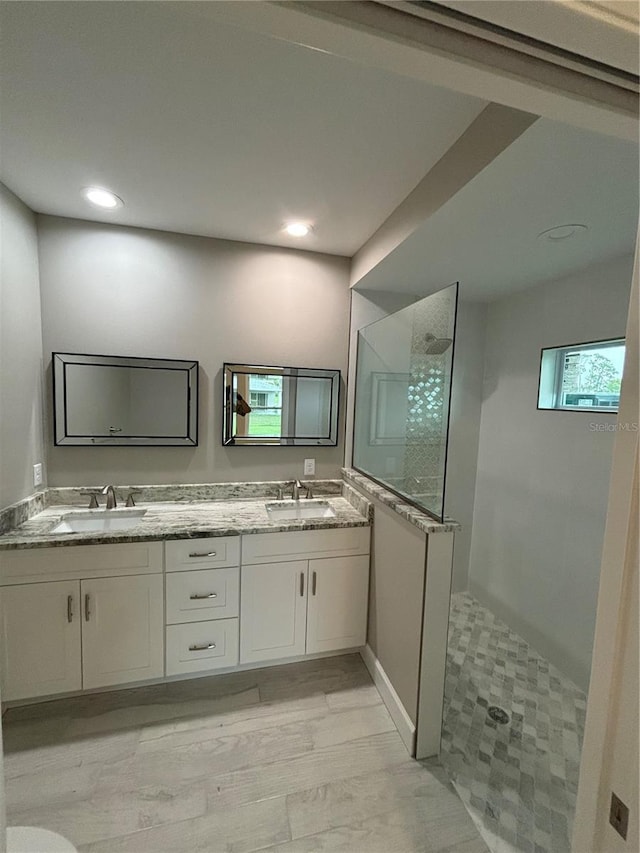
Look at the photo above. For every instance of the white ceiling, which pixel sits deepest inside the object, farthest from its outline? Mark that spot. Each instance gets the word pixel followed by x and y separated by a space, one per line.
pixel 207 129
pixel 486 235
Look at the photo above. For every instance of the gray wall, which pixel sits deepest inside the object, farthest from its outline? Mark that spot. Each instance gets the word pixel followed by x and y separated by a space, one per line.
pixel 543 476
pixel 21 394
pixel 127 291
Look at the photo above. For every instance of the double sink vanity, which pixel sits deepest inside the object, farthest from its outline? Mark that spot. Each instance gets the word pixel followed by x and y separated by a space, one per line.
pixel 190 581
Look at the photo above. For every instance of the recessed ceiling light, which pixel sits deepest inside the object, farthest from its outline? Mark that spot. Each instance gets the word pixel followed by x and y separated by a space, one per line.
pixel 297 229
pixel 562 232
pixel 102 198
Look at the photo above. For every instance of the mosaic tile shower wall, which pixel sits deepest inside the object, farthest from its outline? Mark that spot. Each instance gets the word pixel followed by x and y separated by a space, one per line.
pixel 429 388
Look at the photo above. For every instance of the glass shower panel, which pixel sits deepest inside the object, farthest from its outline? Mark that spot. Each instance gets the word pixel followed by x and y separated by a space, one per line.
pixel 403 390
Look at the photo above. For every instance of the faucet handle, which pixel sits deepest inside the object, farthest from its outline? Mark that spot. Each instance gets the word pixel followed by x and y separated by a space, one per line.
pixel 309 489
pixel 130 500
pixel 93 497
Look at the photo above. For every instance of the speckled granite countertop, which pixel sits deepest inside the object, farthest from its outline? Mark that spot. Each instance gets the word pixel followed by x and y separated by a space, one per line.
pixel 184 520
pixel 412 514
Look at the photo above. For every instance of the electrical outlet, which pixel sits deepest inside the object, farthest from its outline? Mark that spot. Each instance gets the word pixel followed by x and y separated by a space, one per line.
pixel 37 474
pixel 619 816
pixel 309 467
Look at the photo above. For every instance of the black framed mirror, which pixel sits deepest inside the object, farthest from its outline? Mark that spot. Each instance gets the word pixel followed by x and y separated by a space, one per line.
pixel 280 406
pixel 107 400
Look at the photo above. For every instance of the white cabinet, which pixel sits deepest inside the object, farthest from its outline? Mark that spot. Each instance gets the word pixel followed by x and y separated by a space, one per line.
pixel 337 604
pixel 273 611
pixel 122 630
pixel 58 637
pixel 102 615
pixel 291 607
pixel 202 593
pixel 40 639
pixel 81 629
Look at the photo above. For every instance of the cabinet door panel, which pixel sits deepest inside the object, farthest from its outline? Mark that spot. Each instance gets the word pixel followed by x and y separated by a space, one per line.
pixel 122 630
pixel 337 609
pixel 40 639
pixel 273 610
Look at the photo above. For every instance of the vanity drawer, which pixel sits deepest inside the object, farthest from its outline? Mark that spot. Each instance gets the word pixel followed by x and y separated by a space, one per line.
pixel 305 544
pixel 181 555
pixel 202 646
pixel 202 595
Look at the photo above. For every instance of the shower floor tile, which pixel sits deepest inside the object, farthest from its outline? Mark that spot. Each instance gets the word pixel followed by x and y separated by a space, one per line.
pixel 518 779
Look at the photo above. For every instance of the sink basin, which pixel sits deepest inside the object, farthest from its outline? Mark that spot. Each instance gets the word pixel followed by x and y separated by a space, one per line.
pixel 292 510
pixel 99 520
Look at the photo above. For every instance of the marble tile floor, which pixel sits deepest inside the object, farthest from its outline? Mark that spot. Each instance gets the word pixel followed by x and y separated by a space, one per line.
pixel 518 780
pixel 301 757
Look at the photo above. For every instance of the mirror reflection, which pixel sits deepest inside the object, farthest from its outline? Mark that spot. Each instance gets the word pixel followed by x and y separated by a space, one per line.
pixel 289 406
pixel 124 400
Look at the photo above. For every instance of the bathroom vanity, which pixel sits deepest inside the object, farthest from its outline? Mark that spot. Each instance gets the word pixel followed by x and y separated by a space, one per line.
pixel 189 589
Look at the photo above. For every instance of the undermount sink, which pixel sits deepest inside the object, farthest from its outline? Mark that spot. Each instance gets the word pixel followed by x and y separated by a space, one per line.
pixel 292 510
pixel 99 520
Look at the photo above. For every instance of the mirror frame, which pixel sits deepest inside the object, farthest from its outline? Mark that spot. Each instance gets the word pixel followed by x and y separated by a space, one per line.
pixel 61 436
pixel 229 440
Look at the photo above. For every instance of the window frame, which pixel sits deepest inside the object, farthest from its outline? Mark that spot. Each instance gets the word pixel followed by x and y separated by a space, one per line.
pixel 559 358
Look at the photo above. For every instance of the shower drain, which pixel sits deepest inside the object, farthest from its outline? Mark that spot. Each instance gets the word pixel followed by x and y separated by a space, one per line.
pixel 499 715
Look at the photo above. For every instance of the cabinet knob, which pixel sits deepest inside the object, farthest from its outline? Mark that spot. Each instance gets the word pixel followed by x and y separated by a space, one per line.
pixel 202 647
pixel 198 597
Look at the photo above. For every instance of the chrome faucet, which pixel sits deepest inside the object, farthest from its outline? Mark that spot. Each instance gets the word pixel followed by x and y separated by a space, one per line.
pixel 297 485
pixel 109 491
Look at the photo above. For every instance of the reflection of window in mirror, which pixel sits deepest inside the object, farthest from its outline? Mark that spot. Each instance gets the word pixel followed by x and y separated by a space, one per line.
pixel 280 405
pixel 265 399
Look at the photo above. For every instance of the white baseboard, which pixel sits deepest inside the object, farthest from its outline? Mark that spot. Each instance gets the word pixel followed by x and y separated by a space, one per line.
pixel 406 728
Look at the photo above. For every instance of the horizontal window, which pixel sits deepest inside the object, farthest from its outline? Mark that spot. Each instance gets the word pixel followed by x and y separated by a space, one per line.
pixel 582 377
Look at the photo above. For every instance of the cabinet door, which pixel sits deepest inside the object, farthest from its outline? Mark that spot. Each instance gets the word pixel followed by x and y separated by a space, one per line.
pixel 338 598
pixel 122 630
pixel 273 611
pixel 40 639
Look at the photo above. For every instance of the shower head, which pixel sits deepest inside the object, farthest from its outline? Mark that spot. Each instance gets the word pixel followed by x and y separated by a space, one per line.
pixel 436 346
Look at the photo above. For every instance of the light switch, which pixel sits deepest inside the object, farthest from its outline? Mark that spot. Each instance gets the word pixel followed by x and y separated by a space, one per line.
pixel 309 466
pixel 37 474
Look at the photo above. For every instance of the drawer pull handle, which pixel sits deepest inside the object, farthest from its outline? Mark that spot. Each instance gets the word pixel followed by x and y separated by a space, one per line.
pixel 301 584
pixel 314 583
pixel 69 608
pixel 87 607
pixel 203 647
pixel 202 554
pixel 197 597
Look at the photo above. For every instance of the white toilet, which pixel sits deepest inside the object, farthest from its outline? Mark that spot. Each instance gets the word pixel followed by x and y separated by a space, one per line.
pixel 32 839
